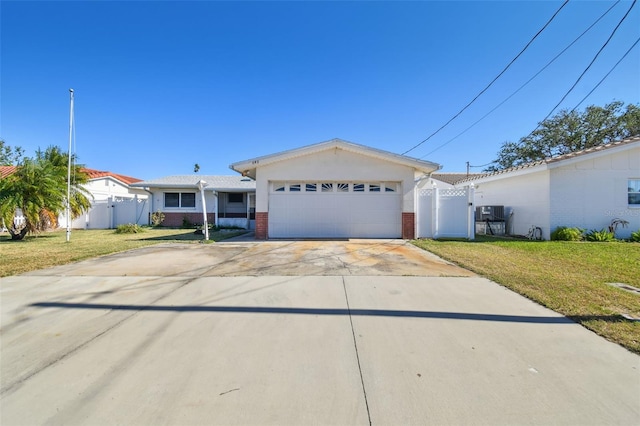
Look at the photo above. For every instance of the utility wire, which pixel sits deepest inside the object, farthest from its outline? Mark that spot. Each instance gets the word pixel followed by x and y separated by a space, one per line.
pixel 587 68
pixel 484 165
pixel 525 84
pixel 492 81
pixel 606 75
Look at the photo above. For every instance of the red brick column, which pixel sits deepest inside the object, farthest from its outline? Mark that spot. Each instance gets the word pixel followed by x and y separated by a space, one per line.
pixel 262 225
pixel 408 226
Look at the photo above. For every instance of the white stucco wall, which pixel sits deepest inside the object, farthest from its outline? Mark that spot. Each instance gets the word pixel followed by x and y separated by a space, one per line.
pixel 526 195
pixel 334 165
pixel 104 188
pixel 589 193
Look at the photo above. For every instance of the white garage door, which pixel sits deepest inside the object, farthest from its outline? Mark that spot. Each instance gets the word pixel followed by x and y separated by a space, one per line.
pixel 335 210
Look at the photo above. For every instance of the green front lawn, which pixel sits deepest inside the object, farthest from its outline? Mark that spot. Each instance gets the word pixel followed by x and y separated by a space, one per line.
pixel 569 277
pixel 51 248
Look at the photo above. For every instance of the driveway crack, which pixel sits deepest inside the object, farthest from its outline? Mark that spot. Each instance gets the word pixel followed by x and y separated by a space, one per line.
pixel 355 345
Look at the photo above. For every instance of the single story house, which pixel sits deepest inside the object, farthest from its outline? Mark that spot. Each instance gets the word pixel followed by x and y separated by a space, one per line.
pixel 335 189
pixel 585 189
pixel 229 200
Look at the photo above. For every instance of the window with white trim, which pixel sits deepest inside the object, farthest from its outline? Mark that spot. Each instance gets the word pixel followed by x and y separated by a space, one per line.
pixel 633 189
pixel 180 200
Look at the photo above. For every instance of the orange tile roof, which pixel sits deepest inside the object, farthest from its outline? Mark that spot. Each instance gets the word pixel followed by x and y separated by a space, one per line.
pixel 6 171
pixel 91 173
pixel 97 174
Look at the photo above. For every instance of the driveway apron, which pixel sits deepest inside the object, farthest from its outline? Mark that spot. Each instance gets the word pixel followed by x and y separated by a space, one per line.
pixel 296 332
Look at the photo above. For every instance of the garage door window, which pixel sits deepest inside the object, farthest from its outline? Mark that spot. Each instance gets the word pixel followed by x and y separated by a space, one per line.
pixel 390 187
pixel 342 187
pixel 327 187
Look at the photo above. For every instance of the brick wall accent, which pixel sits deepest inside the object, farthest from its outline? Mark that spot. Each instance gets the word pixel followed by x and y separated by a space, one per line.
pixel 175 219
pixel 408 226
pixel 262 225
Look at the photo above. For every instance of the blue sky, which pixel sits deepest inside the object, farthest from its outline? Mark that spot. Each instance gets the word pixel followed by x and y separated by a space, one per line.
pixel 160 86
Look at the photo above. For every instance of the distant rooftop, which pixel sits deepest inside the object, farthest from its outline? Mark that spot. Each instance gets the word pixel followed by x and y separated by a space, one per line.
pixel 453 178
pixel 97 174
pixel 6 171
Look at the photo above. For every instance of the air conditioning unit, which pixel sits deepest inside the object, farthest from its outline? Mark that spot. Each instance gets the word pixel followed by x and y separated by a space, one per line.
pixel 490 213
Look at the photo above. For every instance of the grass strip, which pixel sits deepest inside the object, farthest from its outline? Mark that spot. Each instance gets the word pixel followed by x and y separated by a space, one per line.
pixel 51 248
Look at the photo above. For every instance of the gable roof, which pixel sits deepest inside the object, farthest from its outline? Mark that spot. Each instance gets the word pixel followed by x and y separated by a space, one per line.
pixel 626 143
pixel 98 174
pixel 248 167
pixel 222 183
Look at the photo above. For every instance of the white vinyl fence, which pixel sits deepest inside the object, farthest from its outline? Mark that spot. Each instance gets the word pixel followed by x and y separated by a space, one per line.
pixel 108 214
pixel 445 213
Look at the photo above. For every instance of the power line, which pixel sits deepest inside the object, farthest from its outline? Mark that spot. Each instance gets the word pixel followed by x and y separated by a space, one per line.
pixel 525 84
pixel 607 74
pixel 492 81
pixel 588 66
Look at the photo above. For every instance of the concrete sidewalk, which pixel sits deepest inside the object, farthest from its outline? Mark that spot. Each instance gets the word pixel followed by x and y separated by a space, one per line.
pixel 344 350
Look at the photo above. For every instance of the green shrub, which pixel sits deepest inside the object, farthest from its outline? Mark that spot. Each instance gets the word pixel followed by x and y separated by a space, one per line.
pixel 157 218
pixel 186 222
pixel 635 236
pixel 562 233
pixel 600 236
pixel 129 228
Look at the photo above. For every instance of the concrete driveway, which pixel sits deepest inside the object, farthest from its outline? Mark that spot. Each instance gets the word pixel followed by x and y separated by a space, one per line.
pixel 330 332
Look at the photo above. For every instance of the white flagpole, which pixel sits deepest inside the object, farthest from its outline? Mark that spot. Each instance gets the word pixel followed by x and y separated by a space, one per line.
pixel 68 213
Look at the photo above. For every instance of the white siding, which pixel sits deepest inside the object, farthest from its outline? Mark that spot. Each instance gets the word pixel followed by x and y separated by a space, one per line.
pixel 591 192
pixel 526 195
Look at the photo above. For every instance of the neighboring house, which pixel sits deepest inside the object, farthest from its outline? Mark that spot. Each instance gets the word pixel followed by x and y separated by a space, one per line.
pixel 335 189
pixel 230 200
pixel 585 189
pixel 113 202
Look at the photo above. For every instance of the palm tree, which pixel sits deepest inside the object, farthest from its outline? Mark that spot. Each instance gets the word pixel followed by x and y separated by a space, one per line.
pixel 38 190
